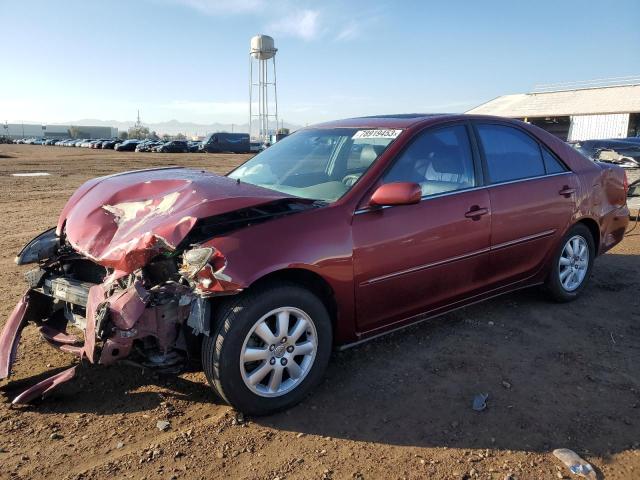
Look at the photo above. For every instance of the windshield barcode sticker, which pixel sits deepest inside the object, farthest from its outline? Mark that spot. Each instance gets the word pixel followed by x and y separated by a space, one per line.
pixel 376 134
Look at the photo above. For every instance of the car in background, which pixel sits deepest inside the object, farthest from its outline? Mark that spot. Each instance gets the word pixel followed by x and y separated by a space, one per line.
pixel 148 145
pixel 194 146
pixel 624 152
pixel 372 224
pixel 96 144
pixel 110 144
pixel 256 147
pixel 127 145
pixel 174 146
pixel 226 142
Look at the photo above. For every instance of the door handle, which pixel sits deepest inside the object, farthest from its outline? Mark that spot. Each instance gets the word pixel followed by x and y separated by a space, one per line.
pixel 567 191
pixel 476 212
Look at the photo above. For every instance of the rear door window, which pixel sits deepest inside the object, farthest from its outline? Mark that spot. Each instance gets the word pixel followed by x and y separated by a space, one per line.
pixel 510 154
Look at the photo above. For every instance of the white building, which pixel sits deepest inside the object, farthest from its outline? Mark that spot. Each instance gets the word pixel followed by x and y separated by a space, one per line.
pixel 29 130
pixel 582 111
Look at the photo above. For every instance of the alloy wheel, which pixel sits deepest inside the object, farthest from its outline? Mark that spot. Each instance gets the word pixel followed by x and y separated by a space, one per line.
pixel 573 263
pixel 278 352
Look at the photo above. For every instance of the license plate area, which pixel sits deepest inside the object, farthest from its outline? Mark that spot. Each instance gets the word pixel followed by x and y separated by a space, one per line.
pixel 68 290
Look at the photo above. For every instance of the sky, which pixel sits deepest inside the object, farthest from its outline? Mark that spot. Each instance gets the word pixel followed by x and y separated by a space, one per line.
pixel 64 60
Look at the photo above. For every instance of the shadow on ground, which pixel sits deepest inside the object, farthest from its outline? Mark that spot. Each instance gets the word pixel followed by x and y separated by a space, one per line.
pixel 557 375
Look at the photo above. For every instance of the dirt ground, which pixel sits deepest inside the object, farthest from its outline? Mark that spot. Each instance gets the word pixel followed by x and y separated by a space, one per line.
pixel 398 407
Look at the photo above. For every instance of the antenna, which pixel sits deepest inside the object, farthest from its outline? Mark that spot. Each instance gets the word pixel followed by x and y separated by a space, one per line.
pixel 138 122
pixel 262 50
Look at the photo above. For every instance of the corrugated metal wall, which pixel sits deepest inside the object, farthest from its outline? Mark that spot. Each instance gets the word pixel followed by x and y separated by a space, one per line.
pixel 591 127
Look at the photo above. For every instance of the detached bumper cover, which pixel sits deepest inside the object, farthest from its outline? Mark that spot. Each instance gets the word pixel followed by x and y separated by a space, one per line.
pixel 10 335
pixel 44 387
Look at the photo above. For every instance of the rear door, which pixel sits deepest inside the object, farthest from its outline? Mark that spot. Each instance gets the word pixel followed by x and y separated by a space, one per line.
pixel 532 200
pixel 411 259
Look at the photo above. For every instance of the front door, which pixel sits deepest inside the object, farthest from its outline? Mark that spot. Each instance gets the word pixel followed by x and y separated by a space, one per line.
pixel 415 258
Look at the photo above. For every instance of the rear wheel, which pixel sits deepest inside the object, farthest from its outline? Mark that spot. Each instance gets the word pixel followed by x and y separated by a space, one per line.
pixel 572 264
pixel 270 348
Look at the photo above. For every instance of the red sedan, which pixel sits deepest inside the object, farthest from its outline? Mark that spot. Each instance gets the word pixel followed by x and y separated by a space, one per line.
pixel 337 234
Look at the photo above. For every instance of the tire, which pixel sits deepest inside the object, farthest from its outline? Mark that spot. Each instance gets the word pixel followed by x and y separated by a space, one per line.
pixel 225 353
pixel 558 288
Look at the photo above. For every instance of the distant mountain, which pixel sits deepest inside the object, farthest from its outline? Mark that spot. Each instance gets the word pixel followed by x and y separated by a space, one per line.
pixel 172 127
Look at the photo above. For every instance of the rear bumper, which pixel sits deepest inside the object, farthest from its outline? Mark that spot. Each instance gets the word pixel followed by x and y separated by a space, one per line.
pixel 613 226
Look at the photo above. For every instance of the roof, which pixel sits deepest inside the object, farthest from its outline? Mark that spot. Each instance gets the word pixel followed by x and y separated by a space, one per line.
pixel 588 101
pixel 402 120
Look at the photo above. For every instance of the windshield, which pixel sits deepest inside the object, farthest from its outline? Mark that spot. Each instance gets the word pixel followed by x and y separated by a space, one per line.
pixel 319 164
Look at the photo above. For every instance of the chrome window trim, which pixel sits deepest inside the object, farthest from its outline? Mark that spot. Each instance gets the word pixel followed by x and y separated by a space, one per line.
pixel 464 190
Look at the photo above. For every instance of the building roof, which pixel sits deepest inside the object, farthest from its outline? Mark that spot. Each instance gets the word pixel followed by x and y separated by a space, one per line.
pixel 587 101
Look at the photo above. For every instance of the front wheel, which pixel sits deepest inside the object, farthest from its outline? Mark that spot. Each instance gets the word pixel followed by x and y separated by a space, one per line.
pixel 572 264
pixel 270 348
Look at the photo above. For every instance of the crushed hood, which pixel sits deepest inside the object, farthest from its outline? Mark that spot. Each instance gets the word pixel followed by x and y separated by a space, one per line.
pixel 124 220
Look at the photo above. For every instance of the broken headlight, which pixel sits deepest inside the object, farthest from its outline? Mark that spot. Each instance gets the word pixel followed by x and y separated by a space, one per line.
pixel 195 260
pixel 42 247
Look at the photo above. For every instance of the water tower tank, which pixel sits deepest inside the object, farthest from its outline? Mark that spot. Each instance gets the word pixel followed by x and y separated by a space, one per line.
pixel 263 47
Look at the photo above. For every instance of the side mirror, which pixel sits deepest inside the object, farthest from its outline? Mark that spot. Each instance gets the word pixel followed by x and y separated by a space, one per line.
pixel 396 193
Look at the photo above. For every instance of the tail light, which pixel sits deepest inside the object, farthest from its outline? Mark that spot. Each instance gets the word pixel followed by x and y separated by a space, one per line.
pixel 625 184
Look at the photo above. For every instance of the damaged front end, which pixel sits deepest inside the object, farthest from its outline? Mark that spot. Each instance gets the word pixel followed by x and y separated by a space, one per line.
pixel 150 316
pixel 129 270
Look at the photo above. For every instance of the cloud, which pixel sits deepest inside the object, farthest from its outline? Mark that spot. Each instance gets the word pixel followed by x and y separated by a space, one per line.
pixel 216 7
pixel 290 20
pixel 303 24
pixel 349 32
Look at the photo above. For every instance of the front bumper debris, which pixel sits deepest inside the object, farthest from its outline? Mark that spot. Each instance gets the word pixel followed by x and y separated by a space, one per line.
pixel 113 320
pixel 41 389
pixel 10 336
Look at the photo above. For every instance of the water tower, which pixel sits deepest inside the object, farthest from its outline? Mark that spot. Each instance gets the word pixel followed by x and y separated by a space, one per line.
pixel 261 56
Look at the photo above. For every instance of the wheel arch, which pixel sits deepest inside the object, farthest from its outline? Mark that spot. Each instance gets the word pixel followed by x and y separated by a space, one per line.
pixel 309 280
pixel 594 228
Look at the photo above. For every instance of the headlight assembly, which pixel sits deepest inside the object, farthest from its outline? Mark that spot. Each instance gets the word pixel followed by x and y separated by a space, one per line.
pixel 40 248
pixel 195 260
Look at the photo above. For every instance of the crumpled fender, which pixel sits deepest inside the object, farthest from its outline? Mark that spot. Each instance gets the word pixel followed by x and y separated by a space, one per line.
pixel 10 335
pixel 44 387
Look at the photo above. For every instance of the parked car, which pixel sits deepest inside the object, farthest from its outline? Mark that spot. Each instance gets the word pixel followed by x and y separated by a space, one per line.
pixel 127 146
pixel 194 146
pixel 148 145
pixel 624 152
pixel 255 147
pixel 110 144
pixel 337 234
pixel 174 146
pixel 227 142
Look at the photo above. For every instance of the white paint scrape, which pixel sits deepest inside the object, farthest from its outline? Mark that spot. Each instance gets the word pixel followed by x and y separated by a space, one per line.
pixel 134 214
pixel 30 174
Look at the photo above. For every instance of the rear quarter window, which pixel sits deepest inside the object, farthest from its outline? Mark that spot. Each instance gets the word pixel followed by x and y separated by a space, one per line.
pixel 551 163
